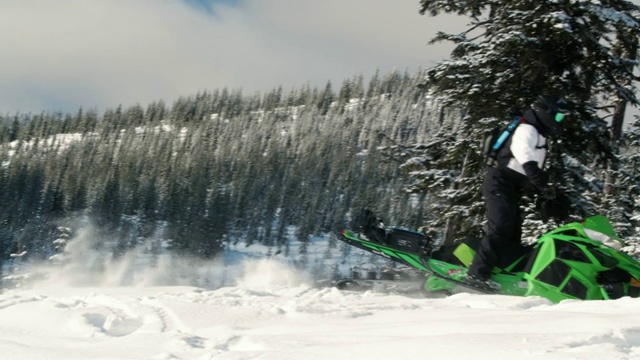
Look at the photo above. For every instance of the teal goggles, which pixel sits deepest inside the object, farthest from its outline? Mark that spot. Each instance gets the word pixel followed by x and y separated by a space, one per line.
pixel 560 116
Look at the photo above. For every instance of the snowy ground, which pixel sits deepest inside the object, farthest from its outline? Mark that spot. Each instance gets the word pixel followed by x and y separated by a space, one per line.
pixel 250 307
pixel 274 313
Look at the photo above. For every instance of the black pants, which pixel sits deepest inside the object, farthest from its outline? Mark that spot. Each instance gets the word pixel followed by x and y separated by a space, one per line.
pixel 504 224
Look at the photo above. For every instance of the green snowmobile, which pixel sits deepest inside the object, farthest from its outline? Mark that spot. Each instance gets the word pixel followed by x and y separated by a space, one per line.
pixel 579 260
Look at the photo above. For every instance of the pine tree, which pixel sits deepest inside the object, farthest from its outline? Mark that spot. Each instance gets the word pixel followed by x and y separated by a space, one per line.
pixel 515 50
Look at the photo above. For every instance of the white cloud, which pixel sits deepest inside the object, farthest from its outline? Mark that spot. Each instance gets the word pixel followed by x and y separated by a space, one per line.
pixel 101 53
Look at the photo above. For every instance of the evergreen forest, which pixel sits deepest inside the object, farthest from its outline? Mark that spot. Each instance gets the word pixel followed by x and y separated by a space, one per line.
pixel 213 167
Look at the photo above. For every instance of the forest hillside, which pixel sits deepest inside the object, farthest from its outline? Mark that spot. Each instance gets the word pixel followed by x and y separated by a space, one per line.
pixel 221 168
pixel 214 167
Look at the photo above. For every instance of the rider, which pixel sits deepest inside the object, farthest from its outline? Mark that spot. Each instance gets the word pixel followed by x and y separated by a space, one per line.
pixel 519 166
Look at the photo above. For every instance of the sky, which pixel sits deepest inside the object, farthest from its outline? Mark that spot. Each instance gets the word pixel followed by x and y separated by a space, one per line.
pixel 67 54
pixel 247 306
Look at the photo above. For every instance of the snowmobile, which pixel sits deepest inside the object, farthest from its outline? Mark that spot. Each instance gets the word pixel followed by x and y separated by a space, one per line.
pixel 578 260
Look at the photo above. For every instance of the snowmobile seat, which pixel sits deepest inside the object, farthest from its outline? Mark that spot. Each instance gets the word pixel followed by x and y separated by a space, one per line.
pixel 408 240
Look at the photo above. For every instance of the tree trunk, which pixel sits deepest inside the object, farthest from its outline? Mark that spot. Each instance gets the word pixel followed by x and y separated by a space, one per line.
pixel 453 222
pixel 616 127
pixel 614 137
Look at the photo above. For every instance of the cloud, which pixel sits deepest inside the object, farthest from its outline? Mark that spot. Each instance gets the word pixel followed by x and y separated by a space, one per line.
pixel 66 54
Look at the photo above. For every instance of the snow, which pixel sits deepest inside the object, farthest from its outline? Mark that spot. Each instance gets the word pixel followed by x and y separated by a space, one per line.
pixel 272 310
pixel 247 305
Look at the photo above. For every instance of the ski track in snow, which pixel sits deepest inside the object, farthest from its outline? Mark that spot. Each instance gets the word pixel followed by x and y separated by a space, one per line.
pixel 236 323
pixel 297 321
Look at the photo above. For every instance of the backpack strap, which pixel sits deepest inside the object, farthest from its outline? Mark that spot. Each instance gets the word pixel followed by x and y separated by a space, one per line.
pixel 495 144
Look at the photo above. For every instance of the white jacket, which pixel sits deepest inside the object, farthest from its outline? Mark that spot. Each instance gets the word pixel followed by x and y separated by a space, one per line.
pixel 527 145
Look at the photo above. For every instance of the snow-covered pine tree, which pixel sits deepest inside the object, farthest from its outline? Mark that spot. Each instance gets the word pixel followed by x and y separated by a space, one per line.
pixel 511 52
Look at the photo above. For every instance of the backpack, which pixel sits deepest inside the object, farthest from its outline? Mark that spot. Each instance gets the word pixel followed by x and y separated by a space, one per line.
pixel 495 140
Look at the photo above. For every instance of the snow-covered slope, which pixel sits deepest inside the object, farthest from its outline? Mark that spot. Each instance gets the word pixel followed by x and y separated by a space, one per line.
pixel 273 311
pixel 252 306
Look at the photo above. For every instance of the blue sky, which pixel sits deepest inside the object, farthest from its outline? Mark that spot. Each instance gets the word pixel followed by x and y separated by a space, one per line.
pixel 209 5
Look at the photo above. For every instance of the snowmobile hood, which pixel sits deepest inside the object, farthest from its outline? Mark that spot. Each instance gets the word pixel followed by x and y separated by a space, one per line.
pixel 571 263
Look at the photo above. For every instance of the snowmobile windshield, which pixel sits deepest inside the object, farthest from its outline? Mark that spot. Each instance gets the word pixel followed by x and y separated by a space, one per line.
pixel 603 238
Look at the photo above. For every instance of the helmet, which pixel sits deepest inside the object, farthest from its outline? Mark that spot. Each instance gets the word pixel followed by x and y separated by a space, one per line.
pixel 551 111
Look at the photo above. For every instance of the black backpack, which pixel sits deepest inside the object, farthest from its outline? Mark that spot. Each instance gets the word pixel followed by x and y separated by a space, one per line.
pixel 495 140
